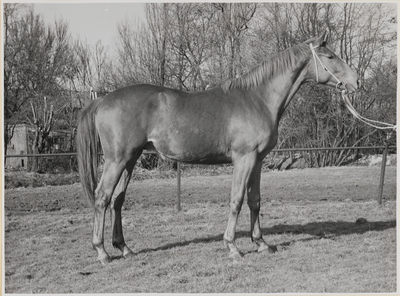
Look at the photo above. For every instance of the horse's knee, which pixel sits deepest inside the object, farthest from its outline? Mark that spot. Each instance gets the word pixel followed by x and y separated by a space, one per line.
pixel 236 205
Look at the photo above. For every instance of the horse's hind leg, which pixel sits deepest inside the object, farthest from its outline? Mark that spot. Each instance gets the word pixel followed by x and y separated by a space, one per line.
pixel 118 199
pixel 111 175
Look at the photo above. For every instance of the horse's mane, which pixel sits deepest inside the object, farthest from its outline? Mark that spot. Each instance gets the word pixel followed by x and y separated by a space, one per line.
pixel 276 64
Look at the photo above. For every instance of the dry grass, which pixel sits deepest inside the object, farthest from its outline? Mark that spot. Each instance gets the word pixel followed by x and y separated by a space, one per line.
pixel 17 179
pixel 309 215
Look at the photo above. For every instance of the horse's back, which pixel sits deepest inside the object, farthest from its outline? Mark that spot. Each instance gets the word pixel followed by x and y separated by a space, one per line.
pixel 156 105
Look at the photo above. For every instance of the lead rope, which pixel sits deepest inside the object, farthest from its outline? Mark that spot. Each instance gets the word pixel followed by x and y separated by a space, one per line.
pixel 370 122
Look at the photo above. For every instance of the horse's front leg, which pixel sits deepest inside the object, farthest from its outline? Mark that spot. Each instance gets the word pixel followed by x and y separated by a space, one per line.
pixel 243 166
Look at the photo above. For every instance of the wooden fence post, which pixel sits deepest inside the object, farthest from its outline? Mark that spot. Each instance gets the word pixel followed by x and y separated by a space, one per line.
pixel 383 167
pixel 178 201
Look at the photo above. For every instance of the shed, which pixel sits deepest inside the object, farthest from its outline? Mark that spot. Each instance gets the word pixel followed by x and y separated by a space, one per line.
pixel 18 145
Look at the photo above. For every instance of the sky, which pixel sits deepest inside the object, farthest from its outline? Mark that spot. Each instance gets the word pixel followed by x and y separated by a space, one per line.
pixel 91 21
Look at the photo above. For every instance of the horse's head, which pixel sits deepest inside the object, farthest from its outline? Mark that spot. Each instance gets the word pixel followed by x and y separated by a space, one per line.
pixel 326 67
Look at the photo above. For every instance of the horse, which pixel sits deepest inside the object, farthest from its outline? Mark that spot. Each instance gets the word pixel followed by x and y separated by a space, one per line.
pixel 235 122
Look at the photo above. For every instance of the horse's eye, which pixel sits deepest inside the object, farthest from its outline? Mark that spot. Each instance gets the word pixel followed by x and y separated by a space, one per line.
pixel 329 56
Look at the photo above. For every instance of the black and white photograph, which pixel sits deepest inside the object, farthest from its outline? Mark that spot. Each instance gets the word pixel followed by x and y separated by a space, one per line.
pixel 199 147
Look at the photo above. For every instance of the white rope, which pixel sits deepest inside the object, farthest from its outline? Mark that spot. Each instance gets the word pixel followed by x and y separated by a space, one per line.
pixel 370 122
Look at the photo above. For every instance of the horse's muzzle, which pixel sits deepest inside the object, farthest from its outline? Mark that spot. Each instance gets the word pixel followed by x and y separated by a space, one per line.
pixel 349 88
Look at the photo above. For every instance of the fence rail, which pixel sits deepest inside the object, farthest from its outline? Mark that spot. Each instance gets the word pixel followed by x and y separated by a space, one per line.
pixel 273 151
pixel 57 154
pixel 178 205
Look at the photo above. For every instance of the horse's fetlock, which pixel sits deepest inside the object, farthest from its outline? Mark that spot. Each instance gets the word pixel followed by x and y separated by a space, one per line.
pixel 97 245
pixel 118 245
pixel 259 241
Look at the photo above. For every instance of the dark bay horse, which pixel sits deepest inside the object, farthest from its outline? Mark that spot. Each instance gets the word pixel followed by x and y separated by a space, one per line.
pixel 235 122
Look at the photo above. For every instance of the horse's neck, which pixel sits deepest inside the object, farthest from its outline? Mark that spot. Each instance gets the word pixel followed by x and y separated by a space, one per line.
pixel 278 91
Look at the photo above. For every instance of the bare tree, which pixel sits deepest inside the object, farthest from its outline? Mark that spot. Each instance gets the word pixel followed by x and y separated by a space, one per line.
pixel 190 56
pixel 235 20
pixel 193 45
pixel 362 34
pixel 140 57
pixel 93 68
pixel 38 62
pixel 42 122
pixel 158 22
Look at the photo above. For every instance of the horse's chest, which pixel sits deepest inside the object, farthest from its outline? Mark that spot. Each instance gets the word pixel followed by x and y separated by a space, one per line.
pixel 253 134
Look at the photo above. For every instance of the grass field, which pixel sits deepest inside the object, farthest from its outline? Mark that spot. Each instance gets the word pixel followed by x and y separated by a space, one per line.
pixel 309 215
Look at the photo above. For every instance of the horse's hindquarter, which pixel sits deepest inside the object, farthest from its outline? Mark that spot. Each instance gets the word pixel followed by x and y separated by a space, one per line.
pixel 122 120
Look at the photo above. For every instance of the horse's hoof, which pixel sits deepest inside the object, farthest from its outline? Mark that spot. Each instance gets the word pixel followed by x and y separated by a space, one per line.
pixel 128 254
pixel 270 249
pixel 236 255
pixel 105 260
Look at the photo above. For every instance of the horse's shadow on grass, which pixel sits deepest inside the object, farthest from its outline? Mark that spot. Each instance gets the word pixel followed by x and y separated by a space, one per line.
pixel 317 230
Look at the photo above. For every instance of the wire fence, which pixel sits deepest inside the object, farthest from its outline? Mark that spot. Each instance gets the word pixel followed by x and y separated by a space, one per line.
pixel 273 151
pixel 384 150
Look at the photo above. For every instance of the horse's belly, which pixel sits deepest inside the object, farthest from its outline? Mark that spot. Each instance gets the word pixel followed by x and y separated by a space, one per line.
pixel 193 149
pixel 196 159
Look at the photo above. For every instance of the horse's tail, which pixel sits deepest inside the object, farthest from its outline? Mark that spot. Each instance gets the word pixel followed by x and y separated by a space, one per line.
pixel 88 147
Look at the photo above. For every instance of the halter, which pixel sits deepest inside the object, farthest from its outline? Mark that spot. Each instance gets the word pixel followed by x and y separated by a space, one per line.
pixel 316 57
pixel 370 122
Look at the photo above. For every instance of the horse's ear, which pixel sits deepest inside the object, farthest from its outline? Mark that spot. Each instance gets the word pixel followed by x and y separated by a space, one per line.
pixel 323 39
pixel 327 36
pixel 311 40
